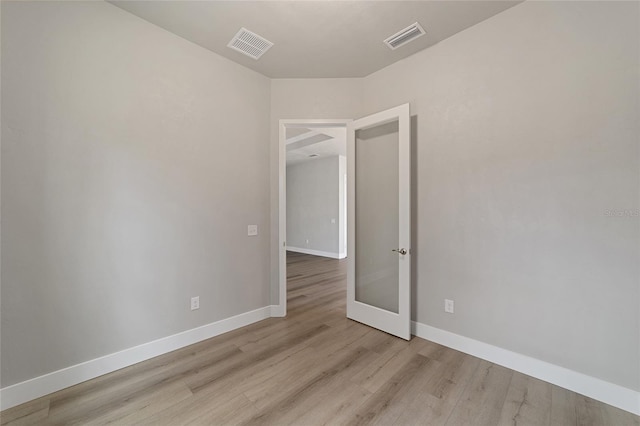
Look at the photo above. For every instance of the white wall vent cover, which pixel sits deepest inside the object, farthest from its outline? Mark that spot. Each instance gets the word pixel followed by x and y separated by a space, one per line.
pixel 250 44
pixel 403 37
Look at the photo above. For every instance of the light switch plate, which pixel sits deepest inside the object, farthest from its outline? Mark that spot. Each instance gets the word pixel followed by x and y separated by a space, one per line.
pixel 252 230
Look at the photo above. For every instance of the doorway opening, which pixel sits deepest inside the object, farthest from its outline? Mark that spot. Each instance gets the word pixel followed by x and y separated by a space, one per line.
pixel 378 275
pixel 312 198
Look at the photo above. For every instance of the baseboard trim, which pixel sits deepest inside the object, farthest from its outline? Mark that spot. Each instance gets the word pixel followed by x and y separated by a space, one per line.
pixel 314 252
pixel 609 393
pixel 278 311
pixel 37 387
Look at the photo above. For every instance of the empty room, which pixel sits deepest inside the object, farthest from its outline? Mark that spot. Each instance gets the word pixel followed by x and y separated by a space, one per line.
pixel 320 212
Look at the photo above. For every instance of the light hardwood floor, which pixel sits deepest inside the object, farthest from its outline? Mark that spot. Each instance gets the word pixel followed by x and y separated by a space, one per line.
pixel 316 367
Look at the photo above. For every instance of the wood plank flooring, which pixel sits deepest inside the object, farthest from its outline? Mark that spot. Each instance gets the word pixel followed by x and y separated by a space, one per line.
pixel 315 367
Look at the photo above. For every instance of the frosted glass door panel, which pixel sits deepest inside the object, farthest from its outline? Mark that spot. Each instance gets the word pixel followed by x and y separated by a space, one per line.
pixel 376 210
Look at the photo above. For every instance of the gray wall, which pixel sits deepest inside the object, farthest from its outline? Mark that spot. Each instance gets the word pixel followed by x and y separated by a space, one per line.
pixel 132 163
pixel 313 201
pixel 527 134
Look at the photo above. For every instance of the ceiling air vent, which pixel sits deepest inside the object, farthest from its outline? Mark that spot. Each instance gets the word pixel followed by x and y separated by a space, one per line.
pixel 249 43
pixel 403 37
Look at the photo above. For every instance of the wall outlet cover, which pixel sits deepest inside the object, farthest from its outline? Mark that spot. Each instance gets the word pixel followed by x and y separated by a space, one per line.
pixel 448 306
pixel 252 230
pixel 195 303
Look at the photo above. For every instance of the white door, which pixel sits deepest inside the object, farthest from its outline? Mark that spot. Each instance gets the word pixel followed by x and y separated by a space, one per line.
pixel 379 210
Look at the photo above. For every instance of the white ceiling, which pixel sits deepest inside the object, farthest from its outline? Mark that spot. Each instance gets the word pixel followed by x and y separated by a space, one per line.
pixel 307 144
pixel 315 39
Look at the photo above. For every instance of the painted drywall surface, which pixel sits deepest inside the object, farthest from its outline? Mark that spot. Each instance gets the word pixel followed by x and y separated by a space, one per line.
pixel 313 205
pixel 322 98
pixel 528 182
pixel 132 163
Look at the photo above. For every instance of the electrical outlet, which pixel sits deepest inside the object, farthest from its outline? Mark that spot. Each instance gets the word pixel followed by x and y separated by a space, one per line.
pixel 448 306
pixel 252 230
pixel 195 303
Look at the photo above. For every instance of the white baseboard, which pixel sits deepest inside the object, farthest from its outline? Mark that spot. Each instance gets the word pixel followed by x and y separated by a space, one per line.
pixel 278 311
pixel 609 393
pixel 315 252
pixel 28 390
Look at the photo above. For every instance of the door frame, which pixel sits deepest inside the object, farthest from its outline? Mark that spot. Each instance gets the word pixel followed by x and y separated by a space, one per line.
pixel 280 310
